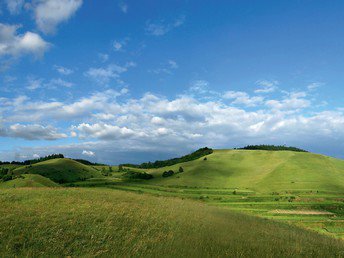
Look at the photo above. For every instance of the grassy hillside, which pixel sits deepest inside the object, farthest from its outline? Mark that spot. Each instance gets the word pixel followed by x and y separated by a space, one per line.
pixel 102 222
pixel 29 180
pixel 61 170
pixel 262 171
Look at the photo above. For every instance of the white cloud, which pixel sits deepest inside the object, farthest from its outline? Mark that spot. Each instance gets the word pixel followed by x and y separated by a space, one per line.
pixel 266 86
pixel 314 85
pixel 242 98
pixel 14 44
pixel 34 132
pixel 119 44
pixel 103 57
pixel 63 70
pixel 14 6
pixel 294 101
pixel 34 83
pixel 104 131
pixel 155 122
pixel 88 153
pixel 167 68
pixel 161 28
pixel 103 75
pixel 123 6
pixel 50 13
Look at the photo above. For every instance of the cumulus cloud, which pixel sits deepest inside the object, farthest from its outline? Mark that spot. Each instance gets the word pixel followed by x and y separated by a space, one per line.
pixel 37 83
pixel 33 132
pixel 103 75
pixel 50 13
pixel 266 86
pixel 88 153
pixel 155 122
pixel 242 98
pixel 63 70
pixel 14 44
pixel 14 6
pixel 104 131
pixel 294 101
pixel 161 28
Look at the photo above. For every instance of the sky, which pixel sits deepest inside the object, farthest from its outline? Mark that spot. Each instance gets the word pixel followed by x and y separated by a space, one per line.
pixel 117 81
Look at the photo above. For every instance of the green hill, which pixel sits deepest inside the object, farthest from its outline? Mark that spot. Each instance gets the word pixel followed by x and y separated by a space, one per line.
pixel 29 180
pixel 60 170
pixel 261 171
pixel 61 222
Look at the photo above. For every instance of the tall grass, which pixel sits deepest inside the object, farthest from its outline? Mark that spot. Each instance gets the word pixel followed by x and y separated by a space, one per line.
pixel 101 222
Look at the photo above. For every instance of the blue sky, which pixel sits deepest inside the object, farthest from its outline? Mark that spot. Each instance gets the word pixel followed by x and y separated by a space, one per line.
pixel 130 81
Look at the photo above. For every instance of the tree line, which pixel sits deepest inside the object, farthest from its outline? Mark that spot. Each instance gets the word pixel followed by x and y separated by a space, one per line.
pixel 163 163
pixel 33 161
pixel 271 148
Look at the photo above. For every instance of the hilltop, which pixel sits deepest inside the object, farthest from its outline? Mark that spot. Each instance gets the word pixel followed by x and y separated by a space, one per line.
pixel 259 170
pixel 60 170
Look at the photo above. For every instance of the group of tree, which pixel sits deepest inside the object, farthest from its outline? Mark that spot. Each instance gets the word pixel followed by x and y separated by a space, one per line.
pixel 271 148
pixel 33 161
pixel 5 174
pixel 163 163
pixel 171 172
pixel 137 175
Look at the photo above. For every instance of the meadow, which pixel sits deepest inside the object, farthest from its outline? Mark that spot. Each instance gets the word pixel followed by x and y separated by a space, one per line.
pixel 231 203
pixel 49 222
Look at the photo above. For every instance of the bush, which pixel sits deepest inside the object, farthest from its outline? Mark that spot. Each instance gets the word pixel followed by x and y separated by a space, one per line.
pixel 7 178
pixel 181 170
pixel 205 158
pixel 167 173
pixel 137 175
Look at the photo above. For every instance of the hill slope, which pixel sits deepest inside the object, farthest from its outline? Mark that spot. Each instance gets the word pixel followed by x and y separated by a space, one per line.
pixel 111 223
pixel 29 180
pixel 262 171
pixel 60 170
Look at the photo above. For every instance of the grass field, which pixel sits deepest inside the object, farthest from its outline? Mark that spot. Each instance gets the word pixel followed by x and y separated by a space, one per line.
pixel 104 222
pixel 236 203
pixel 261 171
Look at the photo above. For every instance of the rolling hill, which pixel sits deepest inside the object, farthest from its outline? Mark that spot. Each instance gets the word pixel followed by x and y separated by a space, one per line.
pixel 259 170
pixel 29 180
pixel 60 170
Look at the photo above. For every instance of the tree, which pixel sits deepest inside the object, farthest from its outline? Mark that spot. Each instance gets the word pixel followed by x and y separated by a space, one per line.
pixel 167 173
pixel 181 170
pixel 120 168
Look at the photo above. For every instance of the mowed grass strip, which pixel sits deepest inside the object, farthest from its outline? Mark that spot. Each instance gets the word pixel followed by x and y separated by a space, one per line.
pixel 103 222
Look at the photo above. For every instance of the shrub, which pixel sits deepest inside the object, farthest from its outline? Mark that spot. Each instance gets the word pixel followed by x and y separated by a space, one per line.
pixel 205 158
pixel 137 175
pixel 181 170
pixel 7 178
pixel 167 173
